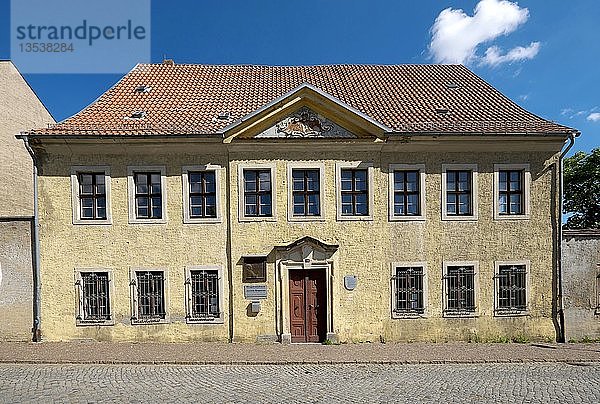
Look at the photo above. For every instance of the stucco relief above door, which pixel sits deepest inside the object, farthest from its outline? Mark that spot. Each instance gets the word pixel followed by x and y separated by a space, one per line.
pixel 305 123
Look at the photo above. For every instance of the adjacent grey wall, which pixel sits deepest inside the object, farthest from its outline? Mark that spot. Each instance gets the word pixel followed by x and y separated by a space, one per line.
pixel 581 266
pixel 16 281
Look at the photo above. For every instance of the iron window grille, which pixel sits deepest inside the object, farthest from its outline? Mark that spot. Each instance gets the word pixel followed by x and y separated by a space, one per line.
pixel 510 192
pixel 406 193
pixel 94 289
pixel 150 296
pixel 354 192
pixel 148 195
pixel 408 290
pixel 512 288
pixel 202 194
pixel 460 290
pixel 306 192
pixel 204 295
pixel 92 196
pixel 459 195
pixel 257 193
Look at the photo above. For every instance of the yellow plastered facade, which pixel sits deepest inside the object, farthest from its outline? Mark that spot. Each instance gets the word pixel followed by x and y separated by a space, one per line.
pixel 365 249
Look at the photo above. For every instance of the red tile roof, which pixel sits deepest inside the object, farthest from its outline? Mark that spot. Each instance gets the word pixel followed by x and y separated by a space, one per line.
pixel 187 99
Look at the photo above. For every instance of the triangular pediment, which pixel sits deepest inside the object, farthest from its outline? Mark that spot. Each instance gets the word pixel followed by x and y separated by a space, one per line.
pixel 305 112
pixel 305 123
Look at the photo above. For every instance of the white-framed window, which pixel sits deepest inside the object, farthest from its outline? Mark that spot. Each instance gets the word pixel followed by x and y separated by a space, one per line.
pixel 305 191
pixel 460 288
pixel 409 289
pixel 512 183
pixel 90 194
pixel 201 194
pixel 94 295
pixel 406 192
pixel 149 297
pixel 459 192
pixel 354 190
pixel 146 186
pixel 511 284
pixel 204 294
pixel 257 192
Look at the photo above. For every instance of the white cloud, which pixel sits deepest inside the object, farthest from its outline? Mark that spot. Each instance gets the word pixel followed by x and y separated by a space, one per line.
pixel 594 117
pixel 456 35
pixel 494 57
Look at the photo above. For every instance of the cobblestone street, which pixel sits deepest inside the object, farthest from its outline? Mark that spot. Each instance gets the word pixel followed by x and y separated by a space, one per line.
pixel 494 382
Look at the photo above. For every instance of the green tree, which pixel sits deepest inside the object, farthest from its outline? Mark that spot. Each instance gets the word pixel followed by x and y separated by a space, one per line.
pixel 582 190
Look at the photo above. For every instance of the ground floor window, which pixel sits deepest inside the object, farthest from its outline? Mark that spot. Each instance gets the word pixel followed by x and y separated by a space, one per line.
pixel 203 294
pixel 94 297
pixel 408 290
pixel 148 295
pixel 459 289
pixel 511 288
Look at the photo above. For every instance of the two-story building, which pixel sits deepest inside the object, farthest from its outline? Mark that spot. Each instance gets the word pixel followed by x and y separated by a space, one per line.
pixel 302 203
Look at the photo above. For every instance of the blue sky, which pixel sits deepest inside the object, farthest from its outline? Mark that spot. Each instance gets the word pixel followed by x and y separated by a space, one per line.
pixel 543 54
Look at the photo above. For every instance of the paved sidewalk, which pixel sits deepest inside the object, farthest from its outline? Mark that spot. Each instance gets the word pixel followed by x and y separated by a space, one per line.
pixel 267 354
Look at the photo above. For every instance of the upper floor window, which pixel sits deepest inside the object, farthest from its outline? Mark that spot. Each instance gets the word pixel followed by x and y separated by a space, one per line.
pixel 510 188
pixel 408 290
pixel 460 289
pixel 511 287
pixel 459 189
pixel 511 191
pixel 306 192
pixel 354 182
pixel 94 295
pixel 201 189
pixel 147 196
pixel 407 192
pixel 90 188
pixel 459 193
pixel 92 196
pixel 355 192
pixel 257 193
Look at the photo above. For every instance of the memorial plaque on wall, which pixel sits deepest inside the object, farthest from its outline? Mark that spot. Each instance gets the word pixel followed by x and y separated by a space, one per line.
pixel 253 292
pixel 254 269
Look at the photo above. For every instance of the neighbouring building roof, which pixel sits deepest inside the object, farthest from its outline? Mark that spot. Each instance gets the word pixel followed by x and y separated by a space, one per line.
pixel 184 99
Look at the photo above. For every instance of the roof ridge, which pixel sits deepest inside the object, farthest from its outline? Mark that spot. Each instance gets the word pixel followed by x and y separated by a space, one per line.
pixel 300 66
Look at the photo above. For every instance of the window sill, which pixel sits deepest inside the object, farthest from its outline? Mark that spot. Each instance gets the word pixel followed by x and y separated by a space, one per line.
pixel 147 221
pixel 342 218
pixel 150 321
pixel 511 313
pixel 460 315
pixel 306 218
pixel 93 222
pixel 205 321
pixel 512 217
pixel 257 219
pixel 408 316
pixel 207 220
pixel 90 323
pixel 450 218
pixel 419 218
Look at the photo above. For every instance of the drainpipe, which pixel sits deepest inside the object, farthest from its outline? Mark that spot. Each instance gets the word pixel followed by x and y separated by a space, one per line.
pixel 36 330
pixel 560 309
pixel 228 247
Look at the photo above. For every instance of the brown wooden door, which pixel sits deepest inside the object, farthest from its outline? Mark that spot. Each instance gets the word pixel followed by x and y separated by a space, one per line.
pixel 308 305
